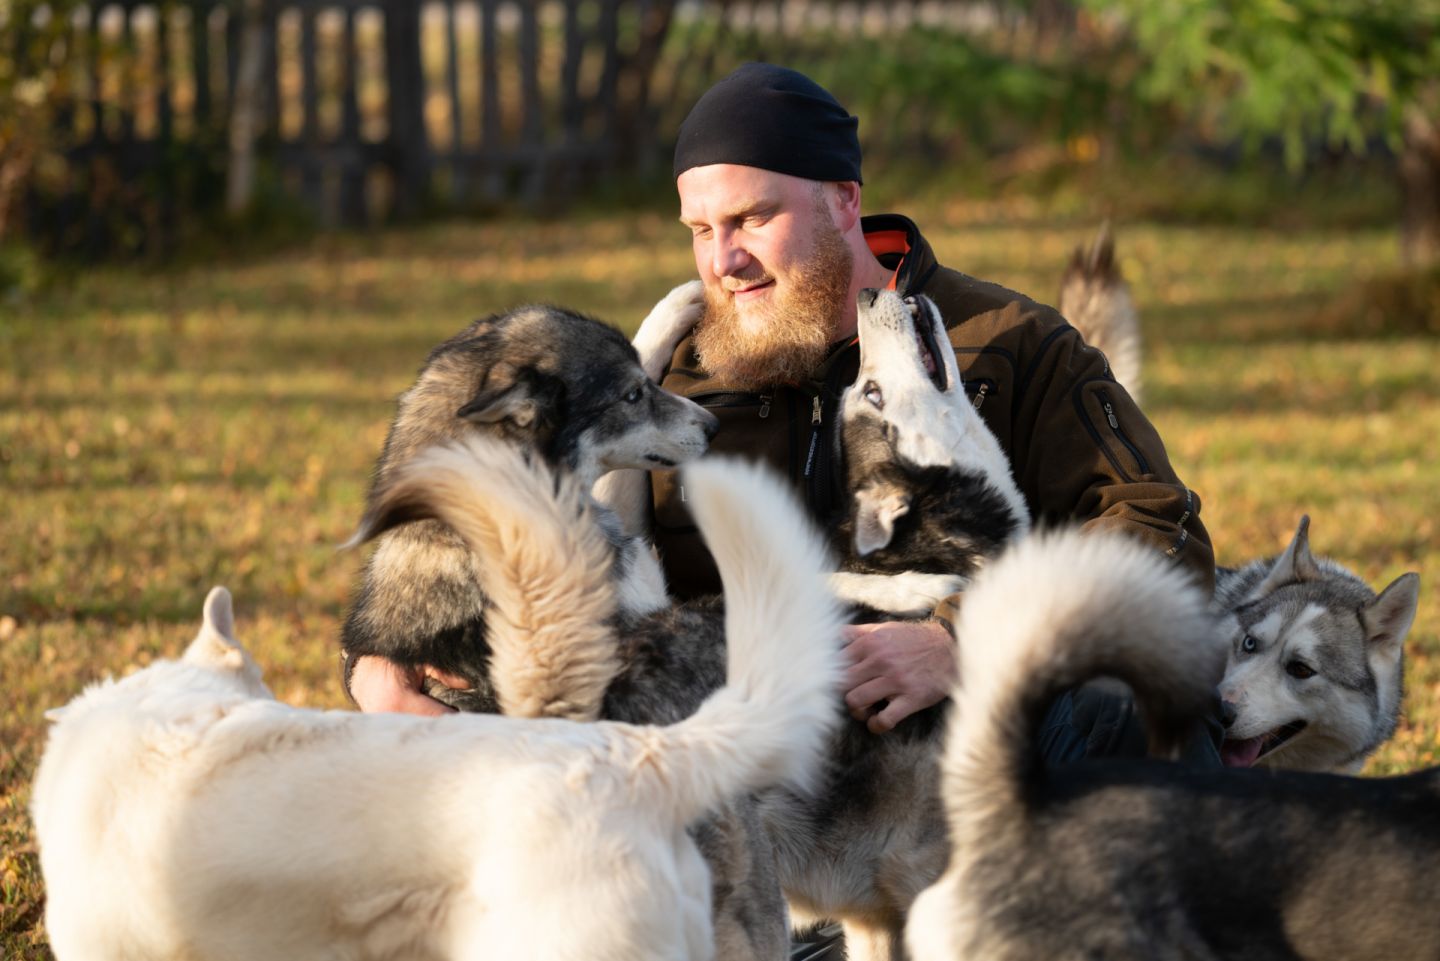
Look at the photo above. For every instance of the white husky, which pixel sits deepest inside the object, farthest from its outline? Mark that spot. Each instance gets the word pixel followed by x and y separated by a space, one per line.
pixel 182 813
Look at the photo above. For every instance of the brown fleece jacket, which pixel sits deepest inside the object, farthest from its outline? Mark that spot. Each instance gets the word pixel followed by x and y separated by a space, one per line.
pixel 1079 447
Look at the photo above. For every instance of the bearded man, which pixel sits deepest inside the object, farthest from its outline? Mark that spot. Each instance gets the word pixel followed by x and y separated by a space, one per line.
pixel 767 166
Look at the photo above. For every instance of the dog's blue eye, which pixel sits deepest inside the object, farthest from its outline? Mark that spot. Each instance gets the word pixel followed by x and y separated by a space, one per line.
pixel 1299 670
pixel 873 394
pixel 634 395
pixel 1249 644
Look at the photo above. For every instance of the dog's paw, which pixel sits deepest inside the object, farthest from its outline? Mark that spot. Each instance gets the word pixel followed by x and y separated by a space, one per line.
pixel 667 324
pixel 910 594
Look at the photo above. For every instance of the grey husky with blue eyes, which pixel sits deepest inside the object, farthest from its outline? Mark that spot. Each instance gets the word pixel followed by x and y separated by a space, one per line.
pixel 1316 660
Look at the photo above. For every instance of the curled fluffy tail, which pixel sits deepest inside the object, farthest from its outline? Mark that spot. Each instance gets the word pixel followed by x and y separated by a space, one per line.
pixel 773 719
pixel 543 560
pixel 1055 611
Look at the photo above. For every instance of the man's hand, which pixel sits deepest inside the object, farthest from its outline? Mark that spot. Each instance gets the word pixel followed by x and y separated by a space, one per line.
pixel 910 664
pixel 378 684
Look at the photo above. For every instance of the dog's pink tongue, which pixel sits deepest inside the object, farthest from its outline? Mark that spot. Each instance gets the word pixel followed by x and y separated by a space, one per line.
pixel 1241 753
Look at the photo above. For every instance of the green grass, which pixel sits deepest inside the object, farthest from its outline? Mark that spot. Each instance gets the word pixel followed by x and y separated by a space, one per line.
pixel 161 432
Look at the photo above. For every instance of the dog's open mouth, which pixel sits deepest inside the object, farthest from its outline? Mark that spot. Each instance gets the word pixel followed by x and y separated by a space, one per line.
pixel 930 353
pixel 1247 751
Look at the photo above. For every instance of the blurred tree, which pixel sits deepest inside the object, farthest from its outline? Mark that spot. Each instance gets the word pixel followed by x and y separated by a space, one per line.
pixel 33 82
pixel 1338 73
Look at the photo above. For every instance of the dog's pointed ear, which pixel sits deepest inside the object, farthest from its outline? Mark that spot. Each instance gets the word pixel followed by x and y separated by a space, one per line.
pixel 1296 564
pixel 877 507
pixel 215 646
pixel 507 394
pixel 1387 619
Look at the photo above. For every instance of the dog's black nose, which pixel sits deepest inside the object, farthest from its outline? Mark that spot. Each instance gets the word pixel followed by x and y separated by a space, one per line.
pixel 868 296
pixel 1228 714
pixel 710 425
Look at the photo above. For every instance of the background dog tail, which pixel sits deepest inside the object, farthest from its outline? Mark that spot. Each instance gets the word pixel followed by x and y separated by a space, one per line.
pixel 1096 300
pixel 773 719
pixel 544 562
pixel 1056 610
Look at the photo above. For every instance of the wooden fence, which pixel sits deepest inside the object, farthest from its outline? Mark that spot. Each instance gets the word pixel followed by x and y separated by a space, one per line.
pixel 368 108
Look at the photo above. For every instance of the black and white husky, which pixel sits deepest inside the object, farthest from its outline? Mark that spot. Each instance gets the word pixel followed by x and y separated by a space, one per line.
pixel 1133 860
pixel 930 498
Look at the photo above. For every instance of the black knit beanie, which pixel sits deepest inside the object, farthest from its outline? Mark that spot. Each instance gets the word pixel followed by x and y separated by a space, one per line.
pixel 770 117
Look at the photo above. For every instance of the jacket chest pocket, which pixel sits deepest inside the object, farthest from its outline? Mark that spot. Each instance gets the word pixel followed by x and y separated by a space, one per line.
pixel 751 426
pixel 1096 402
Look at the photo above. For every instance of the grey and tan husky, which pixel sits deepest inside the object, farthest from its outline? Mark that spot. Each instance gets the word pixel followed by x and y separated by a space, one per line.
pixel 564 387
pixel 1317 658
pixel 1138 860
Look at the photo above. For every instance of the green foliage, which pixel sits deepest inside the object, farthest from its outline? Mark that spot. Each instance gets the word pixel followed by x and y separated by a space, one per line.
pixel 1306 71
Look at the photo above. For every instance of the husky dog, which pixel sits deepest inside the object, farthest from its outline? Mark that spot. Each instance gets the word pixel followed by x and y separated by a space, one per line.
pixel 183 813
pixel 1316 660
pixel 930 495
pixel 1096 300
pixel 547 380
pixel 1135 860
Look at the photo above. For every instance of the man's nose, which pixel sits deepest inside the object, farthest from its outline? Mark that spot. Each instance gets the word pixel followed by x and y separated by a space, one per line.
pixel 727 256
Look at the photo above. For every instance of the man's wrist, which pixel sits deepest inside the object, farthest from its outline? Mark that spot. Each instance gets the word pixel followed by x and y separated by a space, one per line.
pixel 947 612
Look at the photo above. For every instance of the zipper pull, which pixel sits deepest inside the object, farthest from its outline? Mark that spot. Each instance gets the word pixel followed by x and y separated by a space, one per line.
pixel 1110 416
pixel 765 406
pixel 815 412
pixel 980 395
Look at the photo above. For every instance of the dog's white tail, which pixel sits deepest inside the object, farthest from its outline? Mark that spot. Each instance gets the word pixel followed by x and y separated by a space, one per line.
pixel 772 720
pixel 544 562
pixel 1055 611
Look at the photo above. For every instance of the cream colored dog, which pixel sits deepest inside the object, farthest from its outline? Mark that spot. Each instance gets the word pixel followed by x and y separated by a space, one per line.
pixel 183 813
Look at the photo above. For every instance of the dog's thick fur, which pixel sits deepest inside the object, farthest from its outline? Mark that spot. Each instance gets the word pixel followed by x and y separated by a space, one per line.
pixel 184 814
pixel 1096 300
pixel 567 388
pixel 1316 666
pixel 1146 860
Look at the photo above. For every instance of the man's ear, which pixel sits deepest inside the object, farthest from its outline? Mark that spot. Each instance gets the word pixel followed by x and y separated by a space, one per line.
pixel 844 197
pixel 877 507
pixel 1295 565
pixel 508 394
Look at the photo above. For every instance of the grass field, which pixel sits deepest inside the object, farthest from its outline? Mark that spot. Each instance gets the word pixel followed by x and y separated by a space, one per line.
pixel 163 432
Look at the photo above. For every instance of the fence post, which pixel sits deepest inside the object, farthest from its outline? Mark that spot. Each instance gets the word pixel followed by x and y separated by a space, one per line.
pixel 406 80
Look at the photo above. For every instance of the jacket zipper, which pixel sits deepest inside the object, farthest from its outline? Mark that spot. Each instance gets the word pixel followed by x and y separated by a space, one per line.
pixel 978 391
pixel 1119 433
pixel 814 436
